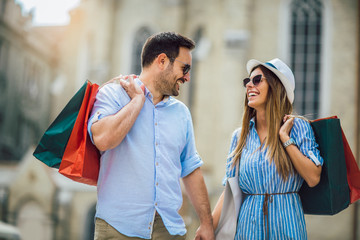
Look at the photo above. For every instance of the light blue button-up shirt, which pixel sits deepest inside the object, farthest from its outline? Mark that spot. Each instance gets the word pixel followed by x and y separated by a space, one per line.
pixel 142 174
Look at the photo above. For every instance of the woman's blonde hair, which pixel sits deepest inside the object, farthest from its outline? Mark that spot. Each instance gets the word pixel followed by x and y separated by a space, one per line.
pixel 277 106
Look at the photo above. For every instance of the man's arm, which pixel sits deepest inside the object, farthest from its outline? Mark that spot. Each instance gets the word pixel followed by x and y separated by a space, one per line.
pixel 111 130
pixel 198 195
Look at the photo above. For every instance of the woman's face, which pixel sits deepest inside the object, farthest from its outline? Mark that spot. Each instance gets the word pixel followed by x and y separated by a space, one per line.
pixel 257 95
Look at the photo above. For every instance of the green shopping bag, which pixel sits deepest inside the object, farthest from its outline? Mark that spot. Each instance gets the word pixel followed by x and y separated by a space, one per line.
pixel 331 195
pixel 52 145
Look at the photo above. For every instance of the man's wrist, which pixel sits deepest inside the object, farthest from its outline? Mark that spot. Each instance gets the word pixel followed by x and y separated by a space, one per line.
pixel 207 222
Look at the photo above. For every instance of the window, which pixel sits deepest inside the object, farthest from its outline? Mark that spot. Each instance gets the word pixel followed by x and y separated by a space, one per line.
pixel 33 222
pixel 32 76
pixel 140 38
pixel 4 101
pixel 3 66
pixel 306 34
pixel 192 84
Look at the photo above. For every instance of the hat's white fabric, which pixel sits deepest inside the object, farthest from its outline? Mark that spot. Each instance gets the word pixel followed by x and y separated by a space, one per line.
pixel 281 70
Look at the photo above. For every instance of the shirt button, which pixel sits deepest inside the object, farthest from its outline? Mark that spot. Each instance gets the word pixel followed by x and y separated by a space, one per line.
pixel 157 184
pixel 155 204
pixel 157 164
pixel 155 124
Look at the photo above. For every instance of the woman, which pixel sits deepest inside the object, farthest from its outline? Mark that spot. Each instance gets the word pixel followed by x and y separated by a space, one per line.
pixel 277 152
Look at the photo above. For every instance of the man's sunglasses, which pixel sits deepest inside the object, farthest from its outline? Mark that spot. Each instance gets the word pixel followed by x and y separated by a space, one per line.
pixel 186 67
pixel 255 80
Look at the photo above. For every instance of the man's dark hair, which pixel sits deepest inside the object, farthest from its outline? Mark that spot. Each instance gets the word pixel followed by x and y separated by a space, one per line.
pixel 164 42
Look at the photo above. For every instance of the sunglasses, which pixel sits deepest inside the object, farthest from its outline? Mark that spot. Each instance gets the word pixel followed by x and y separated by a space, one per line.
pixel 255 80
pixel 186 67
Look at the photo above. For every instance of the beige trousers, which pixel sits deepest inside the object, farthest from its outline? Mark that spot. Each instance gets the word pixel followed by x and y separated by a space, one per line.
pixel 104 231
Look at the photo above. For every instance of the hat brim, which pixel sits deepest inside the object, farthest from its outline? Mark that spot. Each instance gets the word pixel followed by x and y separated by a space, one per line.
pixel 251 64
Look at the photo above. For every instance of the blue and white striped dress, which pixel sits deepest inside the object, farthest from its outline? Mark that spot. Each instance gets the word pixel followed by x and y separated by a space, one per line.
pixel 258 176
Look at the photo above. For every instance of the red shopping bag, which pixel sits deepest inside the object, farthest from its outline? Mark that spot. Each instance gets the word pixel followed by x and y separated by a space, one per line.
pixel 353 172
pixel 352 169
pixel 81 159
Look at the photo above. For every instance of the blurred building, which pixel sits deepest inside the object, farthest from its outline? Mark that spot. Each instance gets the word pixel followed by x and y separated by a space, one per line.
pixel 27 64
pixel 42 67
pixel 43 204
pixel 39 201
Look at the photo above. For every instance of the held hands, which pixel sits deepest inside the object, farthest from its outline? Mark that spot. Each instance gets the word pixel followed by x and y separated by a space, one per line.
pixel 205 232
pixel 285 129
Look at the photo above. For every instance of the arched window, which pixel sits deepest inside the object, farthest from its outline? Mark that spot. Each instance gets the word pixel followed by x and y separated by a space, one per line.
pixel 3 95
pixel 306 39
pixel 3 68
pixel 197 37
pixel 34 223
pixel 140 37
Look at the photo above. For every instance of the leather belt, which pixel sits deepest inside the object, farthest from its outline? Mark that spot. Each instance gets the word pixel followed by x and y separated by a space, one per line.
pixel 268 198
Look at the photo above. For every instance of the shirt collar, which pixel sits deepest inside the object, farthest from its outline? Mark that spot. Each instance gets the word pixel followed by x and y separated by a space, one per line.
pixel 148 94
pixel 166 99
pixel 146 90
pixel 252 122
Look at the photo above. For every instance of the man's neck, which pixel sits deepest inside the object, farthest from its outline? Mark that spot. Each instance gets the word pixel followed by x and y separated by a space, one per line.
pixel 148 79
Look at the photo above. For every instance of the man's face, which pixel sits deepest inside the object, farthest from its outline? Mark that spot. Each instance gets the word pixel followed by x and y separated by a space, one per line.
pixel 172 77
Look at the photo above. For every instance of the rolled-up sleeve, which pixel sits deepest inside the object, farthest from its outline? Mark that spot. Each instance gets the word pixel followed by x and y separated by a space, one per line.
pixel 190 159
pixel 107 102
pixel 304 137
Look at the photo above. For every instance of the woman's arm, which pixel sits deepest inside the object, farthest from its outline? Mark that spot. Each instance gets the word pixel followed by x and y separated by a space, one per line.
pixel 217 210
pixel 303 165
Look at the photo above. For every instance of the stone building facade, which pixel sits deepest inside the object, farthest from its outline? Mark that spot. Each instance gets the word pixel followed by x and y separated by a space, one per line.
pixel 104 39
pixel 26 71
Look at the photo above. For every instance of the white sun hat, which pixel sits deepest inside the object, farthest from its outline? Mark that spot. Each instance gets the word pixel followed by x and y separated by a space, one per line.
pixel 281 70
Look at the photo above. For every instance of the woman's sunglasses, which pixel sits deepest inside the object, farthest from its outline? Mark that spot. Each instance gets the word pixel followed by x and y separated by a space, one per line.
pixel 255 80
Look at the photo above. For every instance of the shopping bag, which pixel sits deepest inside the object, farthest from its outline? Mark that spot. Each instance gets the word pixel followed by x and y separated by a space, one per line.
pixel 352 171
pixel 233 199
pixel 81 159
pixel 52 145
pixel 331 195
pixel 67 137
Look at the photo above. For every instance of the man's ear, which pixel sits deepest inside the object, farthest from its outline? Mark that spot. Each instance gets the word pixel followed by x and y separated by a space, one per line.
pixel 162 61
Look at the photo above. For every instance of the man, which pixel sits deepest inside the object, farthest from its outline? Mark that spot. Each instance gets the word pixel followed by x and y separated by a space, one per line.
pixel 147 144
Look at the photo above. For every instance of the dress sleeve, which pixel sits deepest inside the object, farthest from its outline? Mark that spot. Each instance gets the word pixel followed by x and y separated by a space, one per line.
pixel 230 170
pixel 304 137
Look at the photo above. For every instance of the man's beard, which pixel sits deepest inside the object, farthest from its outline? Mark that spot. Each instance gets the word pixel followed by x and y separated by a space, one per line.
pixel 166 83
